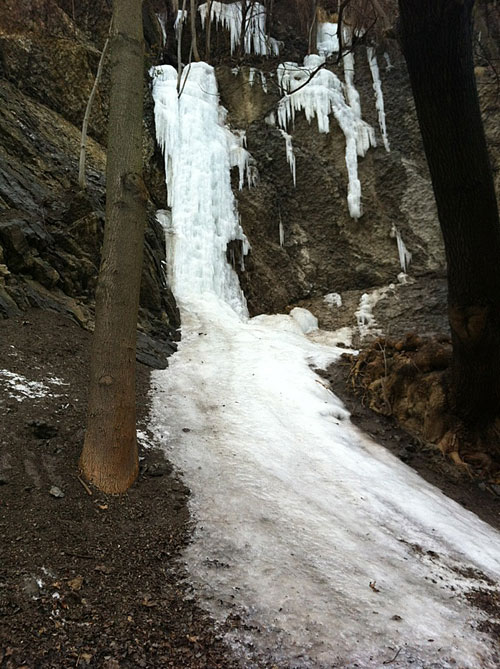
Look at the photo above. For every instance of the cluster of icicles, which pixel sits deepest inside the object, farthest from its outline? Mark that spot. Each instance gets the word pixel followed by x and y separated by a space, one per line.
pixel 308 88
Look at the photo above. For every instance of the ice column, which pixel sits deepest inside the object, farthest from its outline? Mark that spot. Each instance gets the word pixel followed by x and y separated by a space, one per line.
pixel 199 152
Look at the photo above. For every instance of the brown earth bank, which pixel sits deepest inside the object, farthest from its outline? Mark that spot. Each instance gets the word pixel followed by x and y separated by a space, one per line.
pixel 85 579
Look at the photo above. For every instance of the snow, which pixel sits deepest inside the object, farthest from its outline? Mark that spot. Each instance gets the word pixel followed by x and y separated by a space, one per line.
pixel 333 300
pixel 230 16
pixel 306 320
pixel 379 96
pixel 20 388
pixel 332 551
pixel 319 93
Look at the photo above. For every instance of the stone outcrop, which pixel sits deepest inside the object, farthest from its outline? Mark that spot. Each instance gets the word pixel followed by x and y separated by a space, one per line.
pixel 50 230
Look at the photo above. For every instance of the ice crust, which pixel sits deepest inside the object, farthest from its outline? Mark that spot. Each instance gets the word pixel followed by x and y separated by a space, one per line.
pixel 230 16
pixel 334 552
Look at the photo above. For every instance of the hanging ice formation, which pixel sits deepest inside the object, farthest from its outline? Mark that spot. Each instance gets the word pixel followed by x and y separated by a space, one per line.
pixel 199 152
pixel 230 16
pixel 379 97
pixel 404 254
pixel 319 93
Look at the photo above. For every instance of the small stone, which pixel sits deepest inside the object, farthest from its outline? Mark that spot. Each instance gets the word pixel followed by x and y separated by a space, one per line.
pixel 56 492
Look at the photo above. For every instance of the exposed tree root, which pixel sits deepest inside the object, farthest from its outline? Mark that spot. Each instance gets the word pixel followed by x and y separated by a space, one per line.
pixel 407 379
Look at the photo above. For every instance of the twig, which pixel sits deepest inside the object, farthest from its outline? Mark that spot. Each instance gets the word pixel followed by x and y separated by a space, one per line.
pixel 393 659
pixel 87 489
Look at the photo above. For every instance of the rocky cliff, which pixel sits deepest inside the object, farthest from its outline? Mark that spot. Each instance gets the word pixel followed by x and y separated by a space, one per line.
pixel 304 243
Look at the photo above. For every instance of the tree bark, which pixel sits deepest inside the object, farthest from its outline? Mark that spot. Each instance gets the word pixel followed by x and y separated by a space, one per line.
pixel 436 37
pixel 109 457
pixel 194 42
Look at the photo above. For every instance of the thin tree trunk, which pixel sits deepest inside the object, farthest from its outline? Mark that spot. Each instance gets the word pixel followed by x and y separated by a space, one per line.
pixel 194 43
pixel 208 29
pixel 83 143
pixel 313 30
pixel 109 457
pixel 437 43
pixel 180 25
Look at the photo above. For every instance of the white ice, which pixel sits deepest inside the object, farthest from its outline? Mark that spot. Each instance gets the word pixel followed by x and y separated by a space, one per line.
pixel 290 154
pixel 333 551
pixel 367 325
pixel 379 96
pixel 199 153
pixel 333 299
pixel 403 253
pixel 230 16
pixel 327 41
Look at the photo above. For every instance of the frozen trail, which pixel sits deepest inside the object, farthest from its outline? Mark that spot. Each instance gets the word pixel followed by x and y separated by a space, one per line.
pixel 333 551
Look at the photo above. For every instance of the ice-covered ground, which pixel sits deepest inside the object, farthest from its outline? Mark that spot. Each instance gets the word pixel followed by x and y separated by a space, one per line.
pixel 333 551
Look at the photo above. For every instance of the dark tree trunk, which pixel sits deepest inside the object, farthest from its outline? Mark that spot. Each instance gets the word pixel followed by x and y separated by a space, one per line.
pixel 436 37
pixel 109 457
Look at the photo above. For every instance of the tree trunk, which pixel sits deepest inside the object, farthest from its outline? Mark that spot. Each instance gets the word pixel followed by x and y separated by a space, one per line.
pixel 109 457
pixel 436 37
pixel 194 42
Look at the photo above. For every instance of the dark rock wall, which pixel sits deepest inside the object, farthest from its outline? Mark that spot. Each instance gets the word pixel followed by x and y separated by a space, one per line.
pixel 50 231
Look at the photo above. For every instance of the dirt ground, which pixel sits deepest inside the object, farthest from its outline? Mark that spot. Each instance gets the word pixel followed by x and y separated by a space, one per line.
pixel 85 580
pixel 94 580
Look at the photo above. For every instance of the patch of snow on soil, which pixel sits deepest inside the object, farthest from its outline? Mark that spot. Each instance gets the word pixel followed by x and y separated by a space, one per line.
pixel 20 388
pixel 334 552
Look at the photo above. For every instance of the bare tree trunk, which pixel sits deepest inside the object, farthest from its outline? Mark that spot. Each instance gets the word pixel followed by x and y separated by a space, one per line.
pixel 194 43
pixel 313 30
pixel 109 457
pixel 208 28
pixel 83 143
pixel 437 43
pixel 180 25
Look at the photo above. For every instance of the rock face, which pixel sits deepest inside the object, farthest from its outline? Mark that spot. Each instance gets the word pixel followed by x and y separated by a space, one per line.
pixel 304 242
pixel 50 230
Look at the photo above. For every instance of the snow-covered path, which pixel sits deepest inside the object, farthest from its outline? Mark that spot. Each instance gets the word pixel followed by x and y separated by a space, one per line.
pixel 297 512
pixel 334 552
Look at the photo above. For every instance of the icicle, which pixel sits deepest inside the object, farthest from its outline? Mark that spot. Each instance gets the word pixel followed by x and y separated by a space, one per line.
pixel 404 255
pixel 379 96
pixel 251 76
pixel 263 82
pixel 281 229
pixel 161 21
pixel 388 65
pixel 179 19
pixel 230 16
pixel 290 155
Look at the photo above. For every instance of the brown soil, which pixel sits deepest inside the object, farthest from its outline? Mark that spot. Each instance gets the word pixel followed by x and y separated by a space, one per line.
pixel 86 580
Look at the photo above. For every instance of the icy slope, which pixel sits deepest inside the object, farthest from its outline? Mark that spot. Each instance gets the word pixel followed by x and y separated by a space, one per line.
pixel 334 552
